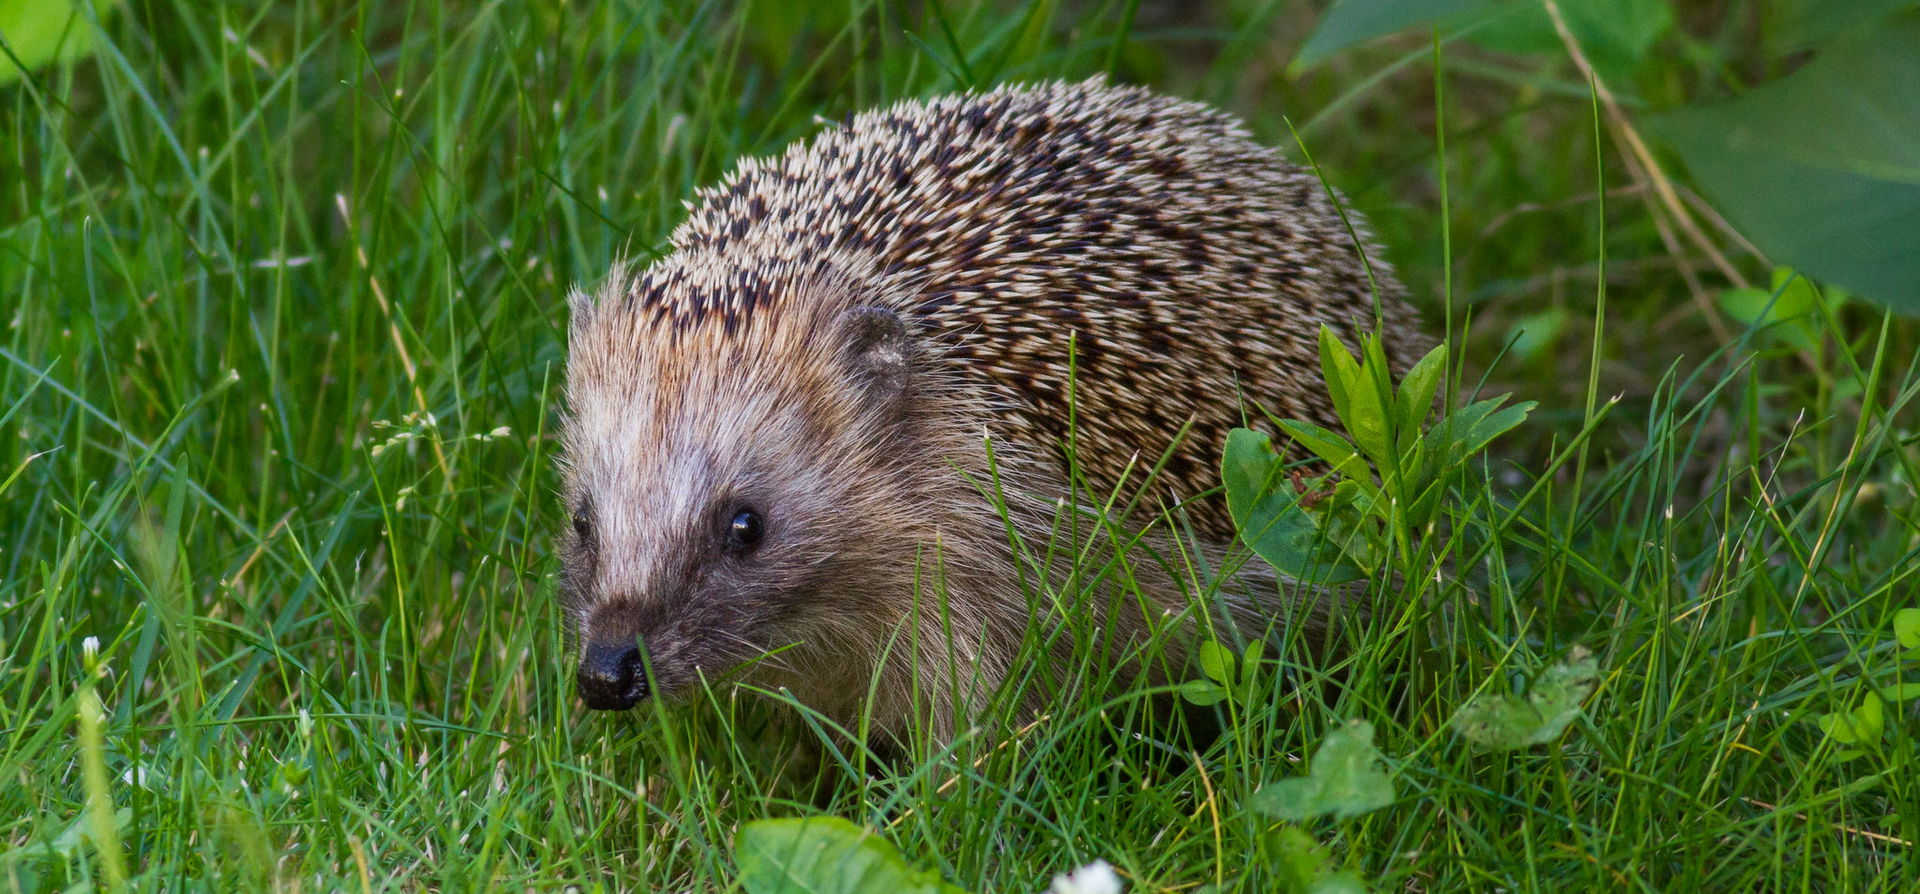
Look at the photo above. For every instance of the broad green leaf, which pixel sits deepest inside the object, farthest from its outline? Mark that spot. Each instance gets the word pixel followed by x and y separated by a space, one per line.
pixel 1792 24
pixel 1505 722
pixel 1358 401
pixel 1414 402
pixel 1821 168
pixel 825 855
pixel 1344 779
pixel 1216 661
pixel 1495 424
pixel 1861 726
pixel 1266 510
pixel 1466 431
pixel 1351 521
pixel 1249 469
pixel 1899 692
pixel 1350 22
pixel 42 31
pixel 1615 35
pixel 1294 856
pixel 69 841
pixel 1250 660
pixel 1203 692
pixel 1906 627
pixel 1338 452
pixel 1344 882
pixel 1792 301
pixel 1532 335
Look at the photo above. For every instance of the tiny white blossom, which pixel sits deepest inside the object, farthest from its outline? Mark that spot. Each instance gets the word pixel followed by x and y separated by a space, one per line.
pixel 136 774
pixel 90 649
pixel 1094 878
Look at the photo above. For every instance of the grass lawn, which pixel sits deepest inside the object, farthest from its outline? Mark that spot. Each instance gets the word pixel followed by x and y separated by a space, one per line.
pixel 283 289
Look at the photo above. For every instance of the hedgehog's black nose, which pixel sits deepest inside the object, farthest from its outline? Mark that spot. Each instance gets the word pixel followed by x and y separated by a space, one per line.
pixel 610 676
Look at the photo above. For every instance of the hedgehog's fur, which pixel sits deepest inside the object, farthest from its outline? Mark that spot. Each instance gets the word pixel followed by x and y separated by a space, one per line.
pixel 863 335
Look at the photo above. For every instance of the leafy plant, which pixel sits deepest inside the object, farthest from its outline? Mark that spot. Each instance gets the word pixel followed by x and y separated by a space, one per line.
pixel 1304 864
pixel 1864 727
pixel 1344 779
pixel 1789 308
pixel 1836 193
pixel 1506 721
pixel 41 31
pixel 1817 167
pixel 825 855
pixel 1384 484
pixel 1226 676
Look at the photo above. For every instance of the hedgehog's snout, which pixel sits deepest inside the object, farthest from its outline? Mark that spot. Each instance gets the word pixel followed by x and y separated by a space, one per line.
pixel 611 677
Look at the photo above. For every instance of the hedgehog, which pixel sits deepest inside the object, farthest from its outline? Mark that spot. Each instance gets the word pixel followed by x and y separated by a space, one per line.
pixel 805 446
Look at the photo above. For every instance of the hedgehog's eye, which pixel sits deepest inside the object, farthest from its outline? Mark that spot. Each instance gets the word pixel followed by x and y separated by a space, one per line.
pixel 582 526
pixel 745 531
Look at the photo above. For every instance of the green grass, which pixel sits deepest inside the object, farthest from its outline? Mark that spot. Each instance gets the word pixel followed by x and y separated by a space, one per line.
pixel 283 296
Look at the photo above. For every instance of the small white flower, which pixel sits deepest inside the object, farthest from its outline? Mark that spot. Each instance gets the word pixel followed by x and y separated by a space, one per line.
pixel 90 650
pixel 136 774
pixel 1094 878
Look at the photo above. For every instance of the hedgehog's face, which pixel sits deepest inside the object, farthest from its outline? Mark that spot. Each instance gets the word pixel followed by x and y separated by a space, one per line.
pixel 714 483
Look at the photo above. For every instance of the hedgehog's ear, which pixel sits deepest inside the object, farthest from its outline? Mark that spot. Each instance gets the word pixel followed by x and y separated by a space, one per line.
pixel 878 350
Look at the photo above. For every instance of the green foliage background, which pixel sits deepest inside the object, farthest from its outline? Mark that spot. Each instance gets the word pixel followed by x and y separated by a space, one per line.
pixel 282 310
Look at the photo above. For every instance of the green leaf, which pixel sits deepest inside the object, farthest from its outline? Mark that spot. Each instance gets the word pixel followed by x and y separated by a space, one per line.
pixel 1534 334
pixel 1494 425
pixel 1505 722
pixel 1345 882
pixel 1216 661
pixel 69 841
pixel 1250 662
pixel 1351 22
pixel 1797 23
pixel 1899 692
pixel 1414 401
pixel 1821 168
pixel 1266 510
pixel 1861 726
pixel 1468 430
pixel 1294 856
pixel 1203 692
pixel 824 855
pixel 1358 401
pixel 1615 35
pixel 1906 627
pixel 1792 303
pixel 43 31
pixel 1344 779
pixel 1338 452
pixel 1351 521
